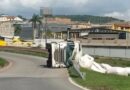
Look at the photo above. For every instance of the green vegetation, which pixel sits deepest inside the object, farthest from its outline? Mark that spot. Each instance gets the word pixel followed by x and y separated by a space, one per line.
pixel 49 33
pixel 28 51
pixel 17 29
pixel 3 62
pixel 123 62
pixel 41 54
pixel 98 81
pixel 36 20
pixel 90 18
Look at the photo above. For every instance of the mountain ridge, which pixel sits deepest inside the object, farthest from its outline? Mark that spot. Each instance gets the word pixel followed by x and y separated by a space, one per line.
pixel 90 18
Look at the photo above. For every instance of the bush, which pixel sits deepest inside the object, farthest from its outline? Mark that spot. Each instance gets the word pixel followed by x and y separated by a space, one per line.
pixel 3 62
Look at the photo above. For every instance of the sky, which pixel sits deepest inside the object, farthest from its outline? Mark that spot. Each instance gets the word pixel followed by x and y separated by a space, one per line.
pixel 113 8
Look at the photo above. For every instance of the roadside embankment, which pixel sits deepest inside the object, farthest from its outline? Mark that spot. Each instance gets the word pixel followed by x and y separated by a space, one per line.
pixel 29 51
pixel 99 81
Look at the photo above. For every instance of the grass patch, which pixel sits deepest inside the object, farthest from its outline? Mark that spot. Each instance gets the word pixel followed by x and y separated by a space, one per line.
pixel 122 62
pixel 28 51
pixel 73 73
pixel 98 81
pixel 41 54
pixel 3 62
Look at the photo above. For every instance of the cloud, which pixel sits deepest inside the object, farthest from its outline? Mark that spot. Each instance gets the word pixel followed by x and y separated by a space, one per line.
pixel 121 15
pixel 92 7
pixel 115 14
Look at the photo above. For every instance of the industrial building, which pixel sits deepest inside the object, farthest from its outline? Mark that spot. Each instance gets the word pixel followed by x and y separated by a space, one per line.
pixel 98 33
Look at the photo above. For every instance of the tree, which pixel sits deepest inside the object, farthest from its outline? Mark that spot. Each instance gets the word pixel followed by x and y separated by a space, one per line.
pixel 35 20
pixel 49 33
pixel 17 29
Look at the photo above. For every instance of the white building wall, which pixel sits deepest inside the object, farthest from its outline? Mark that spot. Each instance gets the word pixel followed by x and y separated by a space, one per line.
pixel 6 29
pixel 4 18
pixel 18 19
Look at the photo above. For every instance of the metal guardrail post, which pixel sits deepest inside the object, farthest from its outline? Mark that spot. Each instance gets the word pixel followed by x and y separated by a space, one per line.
pixel 77 68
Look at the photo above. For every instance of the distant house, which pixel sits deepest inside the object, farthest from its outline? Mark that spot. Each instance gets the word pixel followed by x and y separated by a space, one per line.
pixel 4 18
pixel 80 26
pixel 7 25
pixel 122 27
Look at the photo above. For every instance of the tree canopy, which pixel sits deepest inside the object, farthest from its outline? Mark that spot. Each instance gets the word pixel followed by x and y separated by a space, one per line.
pixel 17 29
pixel 35 19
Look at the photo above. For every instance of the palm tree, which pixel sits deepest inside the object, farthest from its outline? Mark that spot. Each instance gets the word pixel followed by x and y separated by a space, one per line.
pixel 35 20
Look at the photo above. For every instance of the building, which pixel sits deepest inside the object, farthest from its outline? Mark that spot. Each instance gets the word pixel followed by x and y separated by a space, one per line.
pixel 103 33
pixel 98 33
pixel 57 30
pixel 121 27
pixel 5 18
pixel 80 25
pixel 53 28
pixel 6 29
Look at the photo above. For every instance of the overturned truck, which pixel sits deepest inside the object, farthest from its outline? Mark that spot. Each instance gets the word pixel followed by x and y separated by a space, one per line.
pixel 67 53
pixel 61 54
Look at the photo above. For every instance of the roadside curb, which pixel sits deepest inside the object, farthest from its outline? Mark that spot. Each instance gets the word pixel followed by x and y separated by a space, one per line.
pixel 75 84
pixel 6 67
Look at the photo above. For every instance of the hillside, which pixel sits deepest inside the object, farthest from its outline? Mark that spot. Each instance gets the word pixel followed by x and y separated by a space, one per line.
pixel 90 18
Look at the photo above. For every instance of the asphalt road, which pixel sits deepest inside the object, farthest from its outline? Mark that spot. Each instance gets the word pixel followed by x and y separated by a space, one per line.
pixel 29 73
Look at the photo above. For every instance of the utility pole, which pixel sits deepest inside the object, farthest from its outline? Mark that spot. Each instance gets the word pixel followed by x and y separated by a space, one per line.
pixel 45 12
pixel 68 33
pixel 45 30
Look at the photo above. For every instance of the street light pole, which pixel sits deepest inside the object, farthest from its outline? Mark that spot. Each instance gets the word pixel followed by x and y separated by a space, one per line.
pixel 68 33
pixel 42 22
pixel 45 13
pixel 45 31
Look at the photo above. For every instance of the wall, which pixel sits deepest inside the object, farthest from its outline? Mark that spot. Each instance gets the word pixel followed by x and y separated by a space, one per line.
pixel 108 51
pixel 6 29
